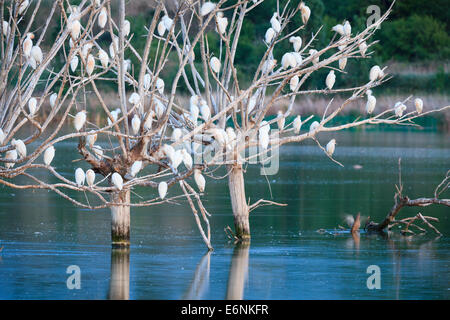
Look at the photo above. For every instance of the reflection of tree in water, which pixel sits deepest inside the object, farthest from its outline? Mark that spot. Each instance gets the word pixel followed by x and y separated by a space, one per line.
pixel 119 283
pixel 238 271
pixel 200 282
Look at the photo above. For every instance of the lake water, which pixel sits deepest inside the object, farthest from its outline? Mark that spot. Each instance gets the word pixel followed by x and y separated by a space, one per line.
pixel 287 259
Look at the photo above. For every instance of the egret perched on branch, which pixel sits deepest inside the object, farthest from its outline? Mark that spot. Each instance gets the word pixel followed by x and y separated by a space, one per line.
pixel 49 154
pixel 293 83
pixel 126 28
pixel 419 105
pixel 102 18
pixel 339 28
pixel 167 22
pixel 135 168
pixel 115 115
pixel 371 102
pixel 160 85
pixel 312 53
pixel 263 134
pixel 288 60
pixel 79 177
pixel 114 46
pixel 342 63
pixel 53 98
pixel 6 28
pixel 204 109
pixel 10 155
pixel 187 159
pixel 117 180
pixel 222 23
pixel 90 65
pixel 276 25
pixel 306 12
pixel 375 73
pixel 193 108
pixel 296 42
pixel 104 58
pixel 134 98
pixel 2 136
pixel 98 151
pixel 331 79
pixel 206 8
pixel 20 147
pixel 37 55
pixel 28 44
pixel 32 103
pixel 23 6
pixel 331 146
pixel 161 28
pixel 74 63
pixel 280 120
pixel 347 28
pixel 269 65
pixel 75 28
pixel 199 180
pixel 313 127
pixel 362 48
pixel 80 119
pixel 162 189
pixel 90 177
pixel 91 138
pixel 136 124
pixel 215 64
pixel 270 33
pixel 399 108
pixel 297 124
pixel 147 81
pixel 86 49
pixel 176 134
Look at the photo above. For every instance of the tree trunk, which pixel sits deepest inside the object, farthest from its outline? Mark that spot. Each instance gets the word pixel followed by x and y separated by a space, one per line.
pixel 120 219
pixel 238 202
pixel 238 271
pixel 119 283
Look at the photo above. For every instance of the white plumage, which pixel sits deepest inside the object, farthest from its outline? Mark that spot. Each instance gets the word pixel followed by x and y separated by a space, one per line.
pixel 20 147
pixel 75 28
pixel 162 189
pixel 306 12
pixel 79 177
pixel 269 65
pixel 297 124
pixel 342 63
pixel 161 28
pixel 91 138
pixel 199 180
pixel 117 180
pixel 86 49
pixel 104 58
pixel 276 25
pixel 102 18
pixel 296 42
pixel 134 98
pixel 375 73
pixel 37 55
pixel 331 79
pixel 11 155
pixel 331 146
pixel 126 28
pixel 347 28
pixel 74 63
pixel 176 134
pixel 80 119
pixel 419 105
pixel 147 81
pixel 371 102
pixel 339 28
pixel 135 124
pixel 53 98
pixel 28 44
pixel 23 6
pixel 193 108
pixel 49 154
pixel 2 136
pixel 399 108
pixel 281 120
pixel 215 64
pixel 222 23
pixel 313 127
pixel 160 86
pixel 90 177
pixel 205 111
pixel 187 159
pixel 312 53
pixel 135 168
pixel 293 83
pixel 90 65
pixel 206 8
pixel 167 22
pixel 32 103
pixel 6 28
pixel 363 48
pixel 288 60
pixel 98 151
pixel 270 33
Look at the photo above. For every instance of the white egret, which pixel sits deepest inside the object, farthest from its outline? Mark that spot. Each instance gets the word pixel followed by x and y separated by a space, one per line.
pixel 90 65
pixel 10 155
pixel 297 124
pixel 371 102
pixel 6 28
pixel 206 8
pixel 419 105
pixel 90 177
pixel 399 108
pixel 252 102
pixel 80 119
pixel 115 115
pixel 168 151
pixel 222 23
pixel 339 28
pixel 161 28
pixel 149 120
pixel 199 180
pixel 147 81
pixel 53 98
pixel 23 6
pixel 313 127
pixel 293 83
pixel 2 136
pixel 305 11
pixel 104 58
pixel 32 63
pixel 347 28
pixel 126 65
pixel 331 146
pixel 296 42
pixel 20 147
pixel 114 47
pixel 375 73
pixel 126 28
pixel 312 53
pixel 28 44
pixel 187 159
pixel 362 48
pixel 98 151
pixel 37 55
pixel 74 63
pixel 102 18
pixel 288 60
pixel 269 65
pixel 215 64
pixel 162 189
pixel 117 180
pixel 79 177
pixel 49 154
pixel 298 58
pixel 86 49
pixel 32 103
pixel 231 136
pixel 193 108
pixel 167 22
pixel 331 79
pixel 176 134
pixel 135 168
pixel 160 108
pixel 263 139
pixel 270 33
pixel 160 86
pixel 135 124
pixel 280 120
pixel 342 63
pixel 176 159
pixel 75 28
pixel 205 111
pixel 276 25
pixel 91 138
pixel 134 98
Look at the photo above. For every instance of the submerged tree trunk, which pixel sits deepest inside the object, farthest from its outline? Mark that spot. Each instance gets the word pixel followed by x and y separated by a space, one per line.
pixel 120 219
pixel 238 202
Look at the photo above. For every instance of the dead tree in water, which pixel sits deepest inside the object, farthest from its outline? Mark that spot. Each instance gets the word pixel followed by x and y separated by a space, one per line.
pixel 402 201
